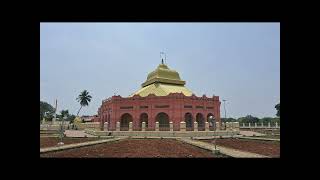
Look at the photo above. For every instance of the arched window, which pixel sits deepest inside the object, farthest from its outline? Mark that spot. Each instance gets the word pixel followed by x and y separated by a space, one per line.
pixel 189 121
pixel 201 122
pixel 163 120
pixel 124 122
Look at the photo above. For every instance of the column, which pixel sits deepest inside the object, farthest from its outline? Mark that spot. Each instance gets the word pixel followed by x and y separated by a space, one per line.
pixel 249 125
pixel 261 124
pixel 130 126
pixel 143 126
pixel 171 125
pixel 195 124
pixel 269 125
pixel 217 126
pixel 106 126
pixel 157 126
pixel 118 126
pixel 255 125
pixel 206 126
pixel 182 126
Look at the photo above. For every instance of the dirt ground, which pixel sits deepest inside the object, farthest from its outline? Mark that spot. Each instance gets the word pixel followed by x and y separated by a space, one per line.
pixel 53 141
pixel 137 148
pixel 268 148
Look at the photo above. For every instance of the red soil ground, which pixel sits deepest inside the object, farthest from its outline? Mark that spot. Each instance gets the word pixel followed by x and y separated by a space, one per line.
pixel 268 148
pixel 53 141
pixel 145 148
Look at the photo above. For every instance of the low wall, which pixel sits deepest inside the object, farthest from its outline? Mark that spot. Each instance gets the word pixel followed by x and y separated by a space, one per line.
pixel 91 125
pixel 162 133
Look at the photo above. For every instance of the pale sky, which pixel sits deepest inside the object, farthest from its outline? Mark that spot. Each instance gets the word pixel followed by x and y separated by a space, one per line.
pixel 239 62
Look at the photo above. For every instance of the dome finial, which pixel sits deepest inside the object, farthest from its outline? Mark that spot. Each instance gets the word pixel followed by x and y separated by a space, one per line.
pixel 162 57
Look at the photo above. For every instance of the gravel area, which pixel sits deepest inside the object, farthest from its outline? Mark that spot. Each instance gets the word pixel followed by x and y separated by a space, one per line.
pixel 268 148
pixel 136 148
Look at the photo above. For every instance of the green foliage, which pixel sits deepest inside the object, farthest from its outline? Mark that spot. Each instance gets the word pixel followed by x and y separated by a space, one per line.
pixel 65 113
pixel 228 120
pixel 48 109
pixel 248 119
pixel 84 98
pixel 278 109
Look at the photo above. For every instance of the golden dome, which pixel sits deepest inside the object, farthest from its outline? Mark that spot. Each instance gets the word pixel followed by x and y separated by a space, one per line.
pixel 161 82
pixel 164 75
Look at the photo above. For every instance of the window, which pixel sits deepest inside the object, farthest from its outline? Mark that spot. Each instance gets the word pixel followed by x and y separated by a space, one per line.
pixel 162 106
pixel 126 107
pixel 187 106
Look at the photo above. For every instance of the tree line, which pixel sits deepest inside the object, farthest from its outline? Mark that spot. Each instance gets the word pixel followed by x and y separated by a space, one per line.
pixel 47 111
pixel 251 119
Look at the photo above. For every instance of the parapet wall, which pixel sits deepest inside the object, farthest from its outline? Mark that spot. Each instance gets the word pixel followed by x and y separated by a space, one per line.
pixel 162 133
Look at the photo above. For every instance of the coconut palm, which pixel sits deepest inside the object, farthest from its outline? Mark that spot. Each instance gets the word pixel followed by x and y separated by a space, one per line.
pixel 84 98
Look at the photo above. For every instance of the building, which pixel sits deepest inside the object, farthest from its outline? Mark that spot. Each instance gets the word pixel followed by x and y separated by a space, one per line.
pixel 163 98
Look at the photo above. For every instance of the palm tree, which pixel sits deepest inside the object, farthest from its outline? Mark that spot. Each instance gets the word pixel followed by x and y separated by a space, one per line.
pixel 84 98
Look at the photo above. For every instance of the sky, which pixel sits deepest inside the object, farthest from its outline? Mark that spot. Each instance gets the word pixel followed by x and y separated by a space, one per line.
pixel 239 62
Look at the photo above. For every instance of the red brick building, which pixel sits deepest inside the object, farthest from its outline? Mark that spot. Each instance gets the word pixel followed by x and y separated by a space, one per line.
pixel 163 98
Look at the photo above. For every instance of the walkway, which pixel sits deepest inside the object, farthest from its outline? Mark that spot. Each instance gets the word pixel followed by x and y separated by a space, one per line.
pixel 224 150
pixel 77 133
pixel 70 146
pixel 251 133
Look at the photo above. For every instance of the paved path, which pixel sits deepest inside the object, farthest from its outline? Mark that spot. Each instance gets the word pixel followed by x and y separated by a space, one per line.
pixel 260 138
pixel 77 133
pixel 224 150
pixel 251 133
pixel 70 146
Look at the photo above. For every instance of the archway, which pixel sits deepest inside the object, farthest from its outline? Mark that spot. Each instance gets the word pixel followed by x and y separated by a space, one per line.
pixel 201 122
pixel 124 122
pixel 143 118
pixel 212 122
pixel 189 121
pixel 163 120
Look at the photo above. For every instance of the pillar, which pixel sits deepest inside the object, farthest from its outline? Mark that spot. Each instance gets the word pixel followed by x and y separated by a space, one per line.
pixel 261 124
pixel 269 125
pixel 182 126
pixel 171 125
pixel 157 126
pixel 217 126
pixel 195 124
pixel 106 126
pixel 249 125
pixel 143 126
pixel 118 126
pixel 255 125
pixel 276 124
pixel 206 126
pixel 130 126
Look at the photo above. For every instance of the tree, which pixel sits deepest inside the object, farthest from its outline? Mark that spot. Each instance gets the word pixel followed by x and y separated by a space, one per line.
pixel 46 108
pixel 278 109
pixel 248 119
pixel 84 98
pixel 63 113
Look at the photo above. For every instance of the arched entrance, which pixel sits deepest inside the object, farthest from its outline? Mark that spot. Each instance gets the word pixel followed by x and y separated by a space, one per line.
pixel 143 118
pixel 189 121
pixel 201 122
pixel 211 121
pixel 124 122
pixel 163 120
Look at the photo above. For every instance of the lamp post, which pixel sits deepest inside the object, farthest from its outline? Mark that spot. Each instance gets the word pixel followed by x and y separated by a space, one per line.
pixel 225 112
pixel 62 130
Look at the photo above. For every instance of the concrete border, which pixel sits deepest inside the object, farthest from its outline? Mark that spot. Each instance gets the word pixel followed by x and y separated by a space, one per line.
pixel 224 150
pixel 256 138
pixel 71 146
